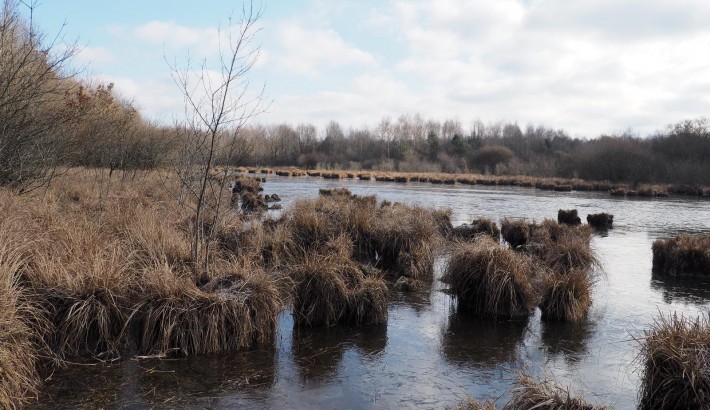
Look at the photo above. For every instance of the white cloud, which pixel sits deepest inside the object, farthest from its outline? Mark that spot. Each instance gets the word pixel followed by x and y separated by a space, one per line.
pixel 307 51
pixel 98 55
pixel 176 36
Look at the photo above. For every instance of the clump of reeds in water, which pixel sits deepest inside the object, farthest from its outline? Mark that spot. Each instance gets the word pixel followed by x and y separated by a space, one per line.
pixel 234 310
pixel 565 252
pixel 568 216
pixel 601 221
pixel 675 354
pixel 532 393
pixel 399 238
pixel 515 232
pixel 329 290
pixel 491 280
pixel 682 254
pixel 478 226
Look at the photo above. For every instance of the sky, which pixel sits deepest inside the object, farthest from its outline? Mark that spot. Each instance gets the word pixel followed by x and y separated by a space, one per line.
pixel 590 67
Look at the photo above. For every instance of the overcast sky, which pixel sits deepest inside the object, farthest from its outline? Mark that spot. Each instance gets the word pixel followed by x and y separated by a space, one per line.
pixel 589 67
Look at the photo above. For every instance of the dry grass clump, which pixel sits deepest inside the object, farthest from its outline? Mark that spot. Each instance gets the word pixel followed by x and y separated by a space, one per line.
pixel 331 290
pixel 469 403
pixel 567 296
pixel 401 239
pixel 682 254
pixel 234 310
pixel 478 226
pixel 531 393
pixel 405 239
pixel 19 381
pixel 515 232
pixel 568 216
pixel 562 247
pixel 600 221
pixel 491 280
pixel 675 354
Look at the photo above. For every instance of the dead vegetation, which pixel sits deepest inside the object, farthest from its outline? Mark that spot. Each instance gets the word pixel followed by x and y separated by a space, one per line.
pixel 683 254
pixel 675 355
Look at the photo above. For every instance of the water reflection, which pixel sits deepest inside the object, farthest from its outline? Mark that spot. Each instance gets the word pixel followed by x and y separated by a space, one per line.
pixel 318 352
pixel 474 341
pixel 201 381
pixel 567 339
pixel 681 288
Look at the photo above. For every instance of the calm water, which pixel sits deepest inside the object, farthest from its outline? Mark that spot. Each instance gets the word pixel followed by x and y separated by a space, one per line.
pixel 427 356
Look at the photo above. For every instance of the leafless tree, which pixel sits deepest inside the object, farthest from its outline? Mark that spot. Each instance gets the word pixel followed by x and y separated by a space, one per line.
pixel 218 103
pixel 33 82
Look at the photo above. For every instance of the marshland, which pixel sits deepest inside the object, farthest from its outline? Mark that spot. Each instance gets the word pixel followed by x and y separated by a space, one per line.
pixel 416 263
pixel 423 351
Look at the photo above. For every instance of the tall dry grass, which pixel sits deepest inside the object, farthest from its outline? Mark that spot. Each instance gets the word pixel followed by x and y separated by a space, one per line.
pixel 682 254
pixel 491 280
pixel 675 355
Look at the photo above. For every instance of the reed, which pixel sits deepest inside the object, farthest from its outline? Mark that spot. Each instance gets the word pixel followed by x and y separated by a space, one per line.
pixel 491 280
pixel 675 355
pixel 236 309
pixel 567 297
pixel 601 221
pixel 515 232
pixel 683 254
pixel 331 290
pixel 479 226
pixel 533 393
pixel 569 217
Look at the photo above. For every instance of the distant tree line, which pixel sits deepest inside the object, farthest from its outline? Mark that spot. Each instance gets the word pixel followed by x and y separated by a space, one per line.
pixel 679 154
pixel 49 119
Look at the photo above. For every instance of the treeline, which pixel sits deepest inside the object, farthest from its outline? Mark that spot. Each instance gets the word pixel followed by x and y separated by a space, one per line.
pixel 679 154
pixel 50 119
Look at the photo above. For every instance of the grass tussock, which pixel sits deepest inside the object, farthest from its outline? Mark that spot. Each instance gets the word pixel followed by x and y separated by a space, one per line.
pixel 234 310
pixel 567 297
pixel 19 381
pixel 601 221
pixel 480 226
pixel 675 355
pixel 491 280
pixel 332 290
pixel 469 403
pixel 515 232
pixel 568 216
pixel 682 254
pixel 532 393
pixel 399 238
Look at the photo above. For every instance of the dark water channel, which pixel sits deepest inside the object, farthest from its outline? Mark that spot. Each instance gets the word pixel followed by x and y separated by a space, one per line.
pixel 427 356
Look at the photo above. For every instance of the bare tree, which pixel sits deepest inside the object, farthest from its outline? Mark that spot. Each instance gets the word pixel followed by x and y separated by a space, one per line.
pixel 218 103
pixel 33 82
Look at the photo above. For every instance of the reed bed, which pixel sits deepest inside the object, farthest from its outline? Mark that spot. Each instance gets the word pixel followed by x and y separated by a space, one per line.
pixel 683 254
pixel 491 280
pixel 675 355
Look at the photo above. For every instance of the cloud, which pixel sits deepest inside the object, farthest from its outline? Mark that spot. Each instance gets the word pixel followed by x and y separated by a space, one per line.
pixel 98 55
pixel 307 51
pixel 176 36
